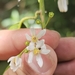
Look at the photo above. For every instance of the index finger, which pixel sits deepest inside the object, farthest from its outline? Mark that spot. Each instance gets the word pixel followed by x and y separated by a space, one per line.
pixel 12 41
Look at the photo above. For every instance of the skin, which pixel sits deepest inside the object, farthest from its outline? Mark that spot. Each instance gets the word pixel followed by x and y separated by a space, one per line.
pixel 12 43
pixel 66 56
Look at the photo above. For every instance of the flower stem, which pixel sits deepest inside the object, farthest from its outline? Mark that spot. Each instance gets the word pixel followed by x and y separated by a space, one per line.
pixel 27 18
pixel 21 53
pixel 42 9
pixel 24 19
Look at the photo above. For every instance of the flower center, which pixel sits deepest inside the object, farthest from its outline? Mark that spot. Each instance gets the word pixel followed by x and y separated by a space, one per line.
pixel 34 38
pixel 36 51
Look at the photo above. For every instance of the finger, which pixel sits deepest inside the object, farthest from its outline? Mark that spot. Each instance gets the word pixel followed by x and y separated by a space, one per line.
pixel 49 65
pixel 66 49
pixel 12 42
pixel 66 68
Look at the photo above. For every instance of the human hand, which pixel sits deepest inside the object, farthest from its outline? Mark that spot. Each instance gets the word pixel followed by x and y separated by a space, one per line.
pixel 12 43
pixel 66 56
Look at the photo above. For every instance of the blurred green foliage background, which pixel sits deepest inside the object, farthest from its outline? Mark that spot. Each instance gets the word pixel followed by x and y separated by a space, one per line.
pixel 11 11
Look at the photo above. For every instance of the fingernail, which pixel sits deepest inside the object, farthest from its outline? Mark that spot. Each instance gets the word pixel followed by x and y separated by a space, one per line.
pixel 47 64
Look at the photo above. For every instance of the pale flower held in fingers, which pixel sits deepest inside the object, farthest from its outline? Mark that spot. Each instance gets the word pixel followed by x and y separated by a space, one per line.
pixel 34 38
pixel 36 51
pixel 15 62
pixel 63 5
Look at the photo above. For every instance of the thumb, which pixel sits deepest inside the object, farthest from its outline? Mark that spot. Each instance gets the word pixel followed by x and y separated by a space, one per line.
pixel 48 68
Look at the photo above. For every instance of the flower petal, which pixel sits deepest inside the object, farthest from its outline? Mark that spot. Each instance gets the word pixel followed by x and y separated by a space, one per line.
pixel 40 43
pixel 32 30
pixel 18 61
pixel 15 62
pixel 28 37
pixel 31 46
pixel 42 33
pixel 30 57
pixel 43 46
pixel 12 65
pixel 39 60
pixel 63 5
pixel 10 59
pixel 15 69
pixel 45 51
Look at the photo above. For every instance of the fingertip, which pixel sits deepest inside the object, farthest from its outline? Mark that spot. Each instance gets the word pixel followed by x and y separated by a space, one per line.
pixel 49 63
pixel 66 50
pixel 52 38
pixel 53 57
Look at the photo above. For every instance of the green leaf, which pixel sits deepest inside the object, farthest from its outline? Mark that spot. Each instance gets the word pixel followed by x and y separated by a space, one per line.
pixel 14 27
pixel 6 68
pixel 3 65
pixel 15 15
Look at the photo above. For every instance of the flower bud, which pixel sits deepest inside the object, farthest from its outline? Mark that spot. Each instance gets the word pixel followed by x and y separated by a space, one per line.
pixel 38 21
pixel 26 51
pixel 51 14
pixel 27 43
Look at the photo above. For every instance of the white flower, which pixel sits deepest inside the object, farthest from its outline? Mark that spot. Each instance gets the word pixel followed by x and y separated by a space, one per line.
pixel 63 5
pixel 34 38
pixel 36 51
pixel 15 62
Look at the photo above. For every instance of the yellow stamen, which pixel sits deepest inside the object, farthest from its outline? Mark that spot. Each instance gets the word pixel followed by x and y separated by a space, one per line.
pixel 34 38
pixel 36 51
